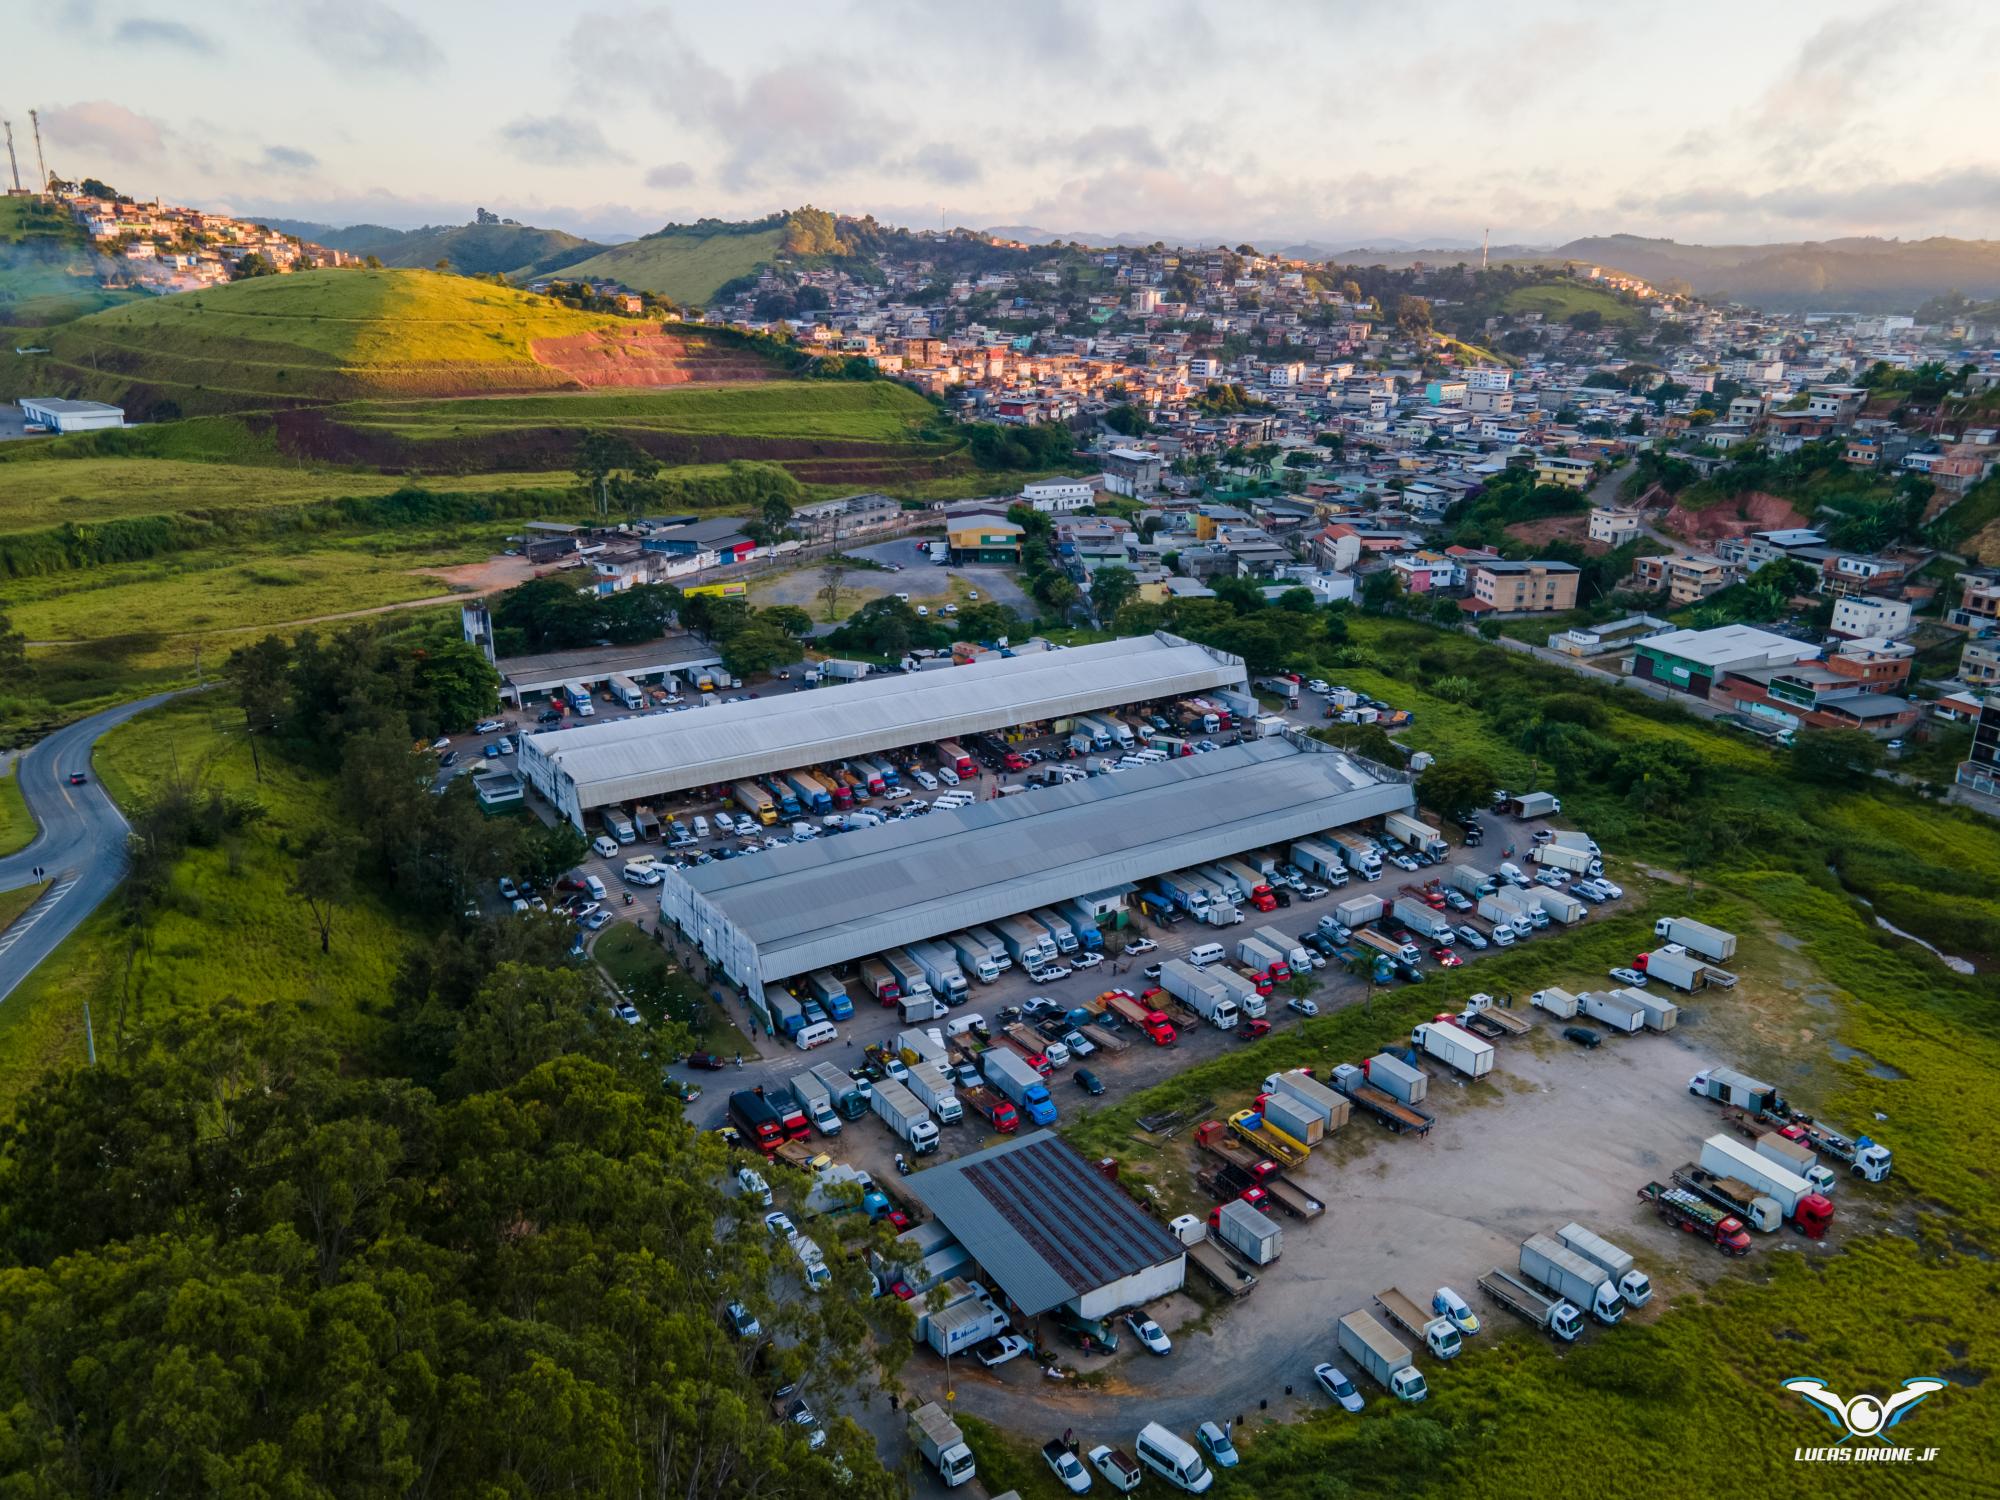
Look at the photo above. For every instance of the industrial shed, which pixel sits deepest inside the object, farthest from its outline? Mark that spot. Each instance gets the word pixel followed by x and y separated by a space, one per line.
pixel 805 906
pixel 1050 1230
pixel 631 760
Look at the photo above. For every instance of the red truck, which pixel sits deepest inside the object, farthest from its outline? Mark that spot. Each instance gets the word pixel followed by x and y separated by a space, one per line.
pixel 1216 1138
pixel 1697 1216
pixel 754 1115
pixel 1124 1005
pixel 1028 1045
pixel 998 1112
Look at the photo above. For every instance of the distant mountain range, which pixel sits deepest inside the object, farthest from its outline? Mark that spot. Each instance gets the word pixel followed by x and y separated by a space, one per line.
pixel 472 249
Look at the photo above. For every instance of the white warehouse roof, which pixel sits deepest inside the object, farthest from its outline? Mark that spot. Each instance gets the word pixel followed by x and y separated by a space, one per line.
pixel 803 906
pixel 633 759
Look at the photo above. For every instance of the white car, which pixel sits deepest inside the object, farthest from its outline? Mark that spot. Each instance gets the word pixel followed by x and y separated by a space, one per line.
pixel 1612 889
pixel 637 874
pixel 1314 892
pixel 627 1012
pixel 751 1184
pixel 1333 1380
pixel 1404 862
pixel 947 775
pixel 999 1351
pixel 508 890
pixel 725 823
pixel 896 794
pixel 1319 685
pixel 1069 1468
pixel 1141 945
pixel 604 846
pixel 923 778
pixel 1086 960
pixel 1149 1333
pixel 1472 936
pixel 780 1226
pixel 488 726
pixel 1049 974
pixel 1302 1007
pixel 597 919
pixel 1630 976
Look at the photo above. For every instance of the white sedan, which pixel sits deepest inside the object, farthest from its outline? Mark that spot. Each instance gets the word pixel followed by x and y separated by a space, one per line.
pixel 1333 1380
pixel 896 794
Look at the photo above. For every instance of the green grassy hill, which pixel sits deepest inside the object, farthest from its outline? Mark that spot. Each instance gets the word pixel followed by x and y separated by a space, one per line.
pixel 687 265
pixel 1560 301
pixel 48 270
pixel 316 337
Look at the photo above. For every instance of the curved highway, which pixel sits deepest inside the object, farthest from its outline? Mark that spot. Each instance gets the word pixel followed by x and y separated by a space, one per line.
pixel 80 847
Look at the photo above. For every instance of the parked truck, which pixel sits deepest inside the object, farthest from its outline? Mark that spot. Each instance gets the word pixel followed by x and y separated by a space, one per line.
pixel 1468 880
pixel 1267 1138
pixel 1387 1362
pixel 1253 883
pixel 1199 993
pixel 1611 1009
pixel 1435 1333
pixel 627 692
pixel 1454 1046
pixel 1415 832
pixel 1631 1282
pixel 898 1108
pixel 1030 1048
pixel 941 971
pixel 1801 1204
pixel 1574 861
pixel 934 1091
pixel 911 981
pixel 841 1089
pixel 1503 912
pixel 879 980
pixel 783 797
pixel 1659 1013
pixel 1127 1007
pixel 1302 1088
pixel 1208 1257
pixel 817 1101
pixel 1557 1002
pixel 1694 1215
pixel 1388 947
pixel 1494 1017
pixel 1357 853
pixel 827 988
pixel 788 1017
pixel 973 955
pixel 1729 1087
pixel 1565 1274
pixel 1557 905
pixel 1300 1122
pixel 1398 1077
pixel 1007 1071
pixel 1386 1107
pixel 1680 970
pixel 1248 1232
pixel 1187 894
pixel 1216 1138
pixel 1083 920
pixel 618 824
pixel 933 1434
pixel 1294 954
pixel 1245 992
pixel 1421 918
pixel 1756 1209
pixel 1058 927
pixel 1697 937
pixel 1864 1158
pixel 1356 911
pixel 1552 1315
pixel 996 1109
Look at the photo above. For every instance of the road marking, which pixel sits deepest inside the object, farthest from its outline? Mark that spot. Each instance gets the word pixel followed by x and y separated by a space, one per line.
pixel 35 914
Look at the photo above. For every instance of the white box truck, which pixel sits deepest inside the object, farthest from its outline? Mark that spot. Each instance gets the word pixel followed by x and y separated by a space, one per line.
pixel 933 1433
pixel 1201 994
pixel 897 1108
pixel 1617 1264
pixel 1569 1276
pixel 1613 1010
pixel 1455 1047
pixel 929 1086
pixel 1387 1362
pixel 1660 1012
pixel 1415 832
pixel 940 966
pixel 973 955
pixel 1248 1002
pixel 1698 937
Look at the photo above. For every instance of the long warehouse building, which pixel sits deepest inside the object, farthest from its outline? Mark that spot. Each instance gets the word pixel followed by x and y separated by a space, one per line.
pixel 631 760
pixel 807 906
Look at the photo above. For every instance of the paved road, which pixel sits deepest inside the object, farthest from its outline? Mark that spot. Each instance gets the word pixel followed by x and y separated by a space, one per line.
pixel 81 846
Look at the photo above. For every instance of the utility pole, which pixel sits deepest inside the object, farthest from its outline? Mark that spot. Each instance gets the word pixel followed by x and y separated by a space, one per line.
pixel 1485 238
pixel 13 162
pixel 35 119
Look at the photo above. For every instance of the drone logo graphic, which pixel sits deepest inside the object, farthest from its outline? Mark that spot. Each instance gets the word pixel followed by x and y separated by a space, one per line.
pixel 1864 1416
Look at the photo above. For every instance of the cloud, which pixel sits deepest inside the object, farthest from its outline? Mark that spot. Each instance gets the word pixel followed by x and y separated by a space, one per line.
pixel 1132 144
pixel 943 164
pixel 557 141
pixel 672 174
pixel 368 35
pixel 1849 204
pixel 288 159
pixel 142 31
pixel 111 131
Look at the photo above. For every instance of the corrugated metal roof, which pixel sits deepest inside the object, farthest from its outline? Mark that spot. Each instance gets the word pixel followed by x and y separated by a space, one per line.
pixel 650 756
pixel 805 906
pixel 1041 1221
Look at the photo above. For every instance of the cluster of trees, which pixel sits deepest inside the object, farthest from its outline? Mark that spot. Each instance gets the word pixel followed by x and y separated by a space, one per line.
pixel 241 1260
pixel 553 614
pixel 615 473
pixel 1268 635
pixel 1044 445
pixel 889 627
pixel 1228 399
pixel 752 640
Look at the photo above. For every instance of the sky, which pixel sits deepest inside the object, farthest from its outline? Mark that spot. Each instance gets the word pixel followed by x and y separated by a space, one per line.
pixel 1343 123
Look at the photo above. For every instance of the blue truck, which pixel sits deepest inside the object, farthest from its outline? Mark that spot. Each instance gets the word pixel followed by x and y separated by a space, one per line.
pixel 782 794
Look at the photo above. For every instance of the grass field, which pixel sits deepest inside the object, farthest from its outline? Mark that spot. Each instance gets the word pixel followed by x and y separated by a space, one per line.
pixel 1557 303
pixel 229 930
pixel 17 824
pixel 683 265
pixel 218 591
pixel 312 337
pixel 14 902
pixel 81 490
pixel 877 411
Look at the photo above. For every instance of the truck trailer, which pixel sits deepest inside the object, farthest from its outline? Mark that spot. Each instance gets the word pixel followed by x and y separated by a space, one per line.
pixel 1454 1046
pixel 1353 1082
pixel 1697 937
pixel 1550 1314
pixel 1565 1274
pixel 1437 1334
pixel 1694 1215
pixel 1631 1283
pixel 1387 1362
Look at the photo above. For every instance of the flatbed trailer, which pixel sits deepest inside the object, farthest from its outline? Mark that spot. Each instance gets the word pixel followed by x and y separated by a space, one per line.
pixel 1216 1139
pixel 1292 1198
pixel 1221 1268
pixel 1267 1138
pixel 1392 1112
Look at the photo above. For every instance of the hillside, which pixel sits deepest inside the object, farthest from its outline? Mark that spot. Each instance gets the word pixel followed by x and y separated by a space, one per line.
pixel 472 249
pixel 324 336
pixel 685 263
pixel 46 264
pixel 1560 301
pixel 1856 275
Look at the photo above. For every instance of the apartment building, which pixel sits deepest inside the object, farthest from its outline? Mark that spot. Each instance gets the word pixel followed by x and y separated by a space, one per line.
pixel 1978 607
pixel 1613 528
pixel 1687 577
pixel 1516 587
pixel 1857 616
pixel 1570 473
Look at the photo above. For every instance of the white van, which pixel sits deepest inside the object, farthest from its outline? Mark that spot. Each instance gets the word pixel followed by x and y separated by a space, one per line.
pixel 700 826
pixel 1171 1459
pixel 817 1035
pixel 1205 954
pixel 595 886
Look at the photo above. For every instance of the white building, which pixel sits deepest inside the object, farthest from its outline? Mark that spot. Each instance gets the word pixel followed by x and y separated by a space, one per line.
pixel 1614 528
pixel 1489 379
pixel 1059 496
pixel 1858 616
pixel 59 415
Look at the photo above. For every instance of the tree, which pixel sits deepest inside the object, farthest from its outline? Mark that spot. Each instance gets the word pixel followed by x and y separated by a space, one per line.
pixel 1835 757
pixel 1413 316
pixel 759 647
pixel 831 577
pixel 1110 589
pixel 253 265
pixel 1379 590
pixel 1454 784
pixel 795 622
pixel 324 879
pixel 260 675
pixel 547 853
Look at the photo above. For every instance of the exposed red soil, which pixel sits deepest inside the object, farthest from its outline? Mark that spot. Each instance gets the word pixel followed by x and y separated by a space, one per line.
pixel 1557 529
pixel 643 357
pixel 1751 511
